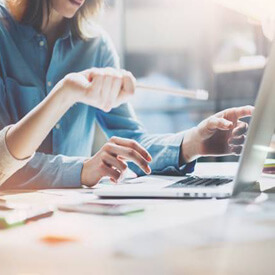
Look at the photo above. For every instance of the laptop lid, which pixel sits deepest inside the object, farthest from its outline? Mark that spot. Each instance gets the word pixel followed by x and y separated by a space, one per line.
pixel 260 131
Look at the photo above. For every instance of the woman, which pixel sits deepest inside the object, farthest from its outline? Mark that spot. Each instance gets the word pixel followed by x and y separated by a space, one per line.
pixel 41 41
pixel 18 142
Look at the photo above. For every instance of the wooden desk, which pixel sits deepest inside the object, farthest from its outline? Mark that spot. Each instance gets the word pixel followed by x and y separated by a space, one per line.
pixel 170 237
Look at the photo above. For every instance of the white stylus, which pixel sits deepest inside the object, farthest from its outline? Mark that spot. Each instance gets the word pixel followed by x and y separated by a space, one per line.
pixel 194 94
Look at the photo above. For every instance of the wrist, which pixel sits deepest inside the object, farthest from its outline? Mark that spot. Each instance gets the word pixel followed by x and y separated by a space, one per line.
pixel 190 147
pixel 83 176
pixel 64 97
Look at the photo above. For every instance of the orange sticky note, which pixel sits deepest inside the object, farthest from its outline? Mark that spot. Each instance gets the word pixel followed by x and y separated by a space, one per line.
pixel 57 239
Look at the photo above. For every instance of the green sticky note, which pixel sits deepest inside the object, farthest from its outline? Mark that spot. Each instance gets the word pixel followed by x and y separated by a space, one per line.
pixel 4 224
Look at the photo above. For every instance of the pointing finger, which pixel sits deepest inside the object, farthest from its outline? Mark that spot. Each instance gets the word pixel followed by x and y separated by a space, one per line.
pixel 215 123
pixel 245 111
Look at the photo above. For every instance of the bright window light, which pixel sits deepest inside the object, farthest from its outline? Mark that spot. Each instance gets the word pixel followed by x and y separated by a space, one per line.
pixel 255 9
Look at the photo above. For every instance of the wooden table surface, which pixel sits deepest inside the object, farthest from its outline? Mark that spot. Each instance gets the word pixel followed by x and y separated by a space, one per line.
pixel 232 236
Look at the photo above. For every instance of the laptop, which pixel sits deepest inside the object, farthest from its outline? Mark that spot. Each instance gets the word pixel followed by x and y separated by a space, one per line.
pixel 250 166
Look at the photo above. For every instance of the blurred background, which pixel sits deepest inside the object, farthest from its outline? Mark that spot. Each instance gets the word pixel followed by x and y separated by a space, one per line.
pixel 186 43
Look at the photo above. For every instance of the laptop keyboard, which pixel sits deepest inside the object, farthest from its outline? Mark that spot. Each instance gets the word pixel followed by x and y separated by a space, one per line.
pixel 200 182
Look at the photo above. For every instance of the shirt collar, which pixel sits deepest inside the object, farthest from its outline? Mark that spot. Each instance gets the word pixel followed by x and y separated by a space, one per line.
pixel 68 35
pixel 29 33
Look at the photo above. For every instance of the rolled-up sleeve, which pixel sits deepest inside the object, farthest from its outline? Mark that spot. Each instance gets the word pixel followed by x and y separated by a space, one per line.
pixel 122 122
pixel 8 163
pixel 165 149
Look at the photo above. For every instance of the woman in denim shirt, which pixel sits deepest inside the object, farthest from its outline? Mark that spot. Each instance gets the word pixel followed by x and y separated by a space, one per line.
pixel 41 41
pixel 19 142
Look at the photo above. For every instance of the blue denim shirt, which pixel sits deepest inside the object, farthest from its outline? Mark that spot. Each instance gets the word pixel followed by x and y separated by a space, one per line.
pixel 28 74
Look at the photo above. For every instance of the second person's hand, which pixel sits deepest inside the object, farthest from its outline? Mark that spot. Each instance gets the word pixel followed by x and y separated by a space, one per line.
pixel 220 134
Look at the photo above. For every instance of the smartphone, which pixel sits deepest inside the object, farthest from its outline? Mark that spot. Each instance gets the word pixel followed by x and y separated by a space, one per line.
pixel 102 208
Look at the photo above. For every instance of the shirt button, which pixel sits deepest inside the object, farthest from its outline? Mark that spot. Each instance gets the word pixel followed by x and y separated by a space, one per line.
pixel 49 83
pixel 57 126
pixel 41 43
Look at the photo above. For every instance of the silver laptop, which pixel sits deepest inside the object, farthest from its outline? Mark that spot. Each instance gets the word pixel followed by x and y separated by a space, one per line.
pixel 251 162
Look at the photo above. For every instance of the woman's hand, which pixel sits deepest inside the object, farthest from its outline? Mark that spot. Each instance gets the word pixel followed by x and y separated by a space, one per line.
pixel 220 134
pixel 111 160
pixel 102 88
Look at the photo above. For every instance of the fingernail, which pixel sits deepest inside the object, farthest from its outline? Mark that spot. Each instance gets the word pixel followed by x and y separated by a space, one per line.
pixel 148 170
pixel 149 158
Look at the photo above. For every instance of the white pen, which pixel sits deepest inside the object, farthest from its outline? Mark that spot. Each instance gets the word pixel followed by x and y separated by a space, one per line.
pixel 193 94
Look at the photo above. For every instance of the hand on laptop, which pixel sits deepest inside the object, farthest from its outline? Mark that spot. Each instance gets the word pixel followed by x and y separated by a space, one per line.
pixel 220 134
pixel 110 161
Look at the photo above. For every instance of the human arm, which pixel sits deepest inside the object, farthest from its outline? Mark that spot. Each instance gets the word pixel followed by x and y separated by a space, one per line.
pixel 21 140
pixel 220 134
pixel 42 170
pixel 164 148
pixel 26 135
pixel 101 88
pixel 8 163
pixel 122 122
pixel 88 87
